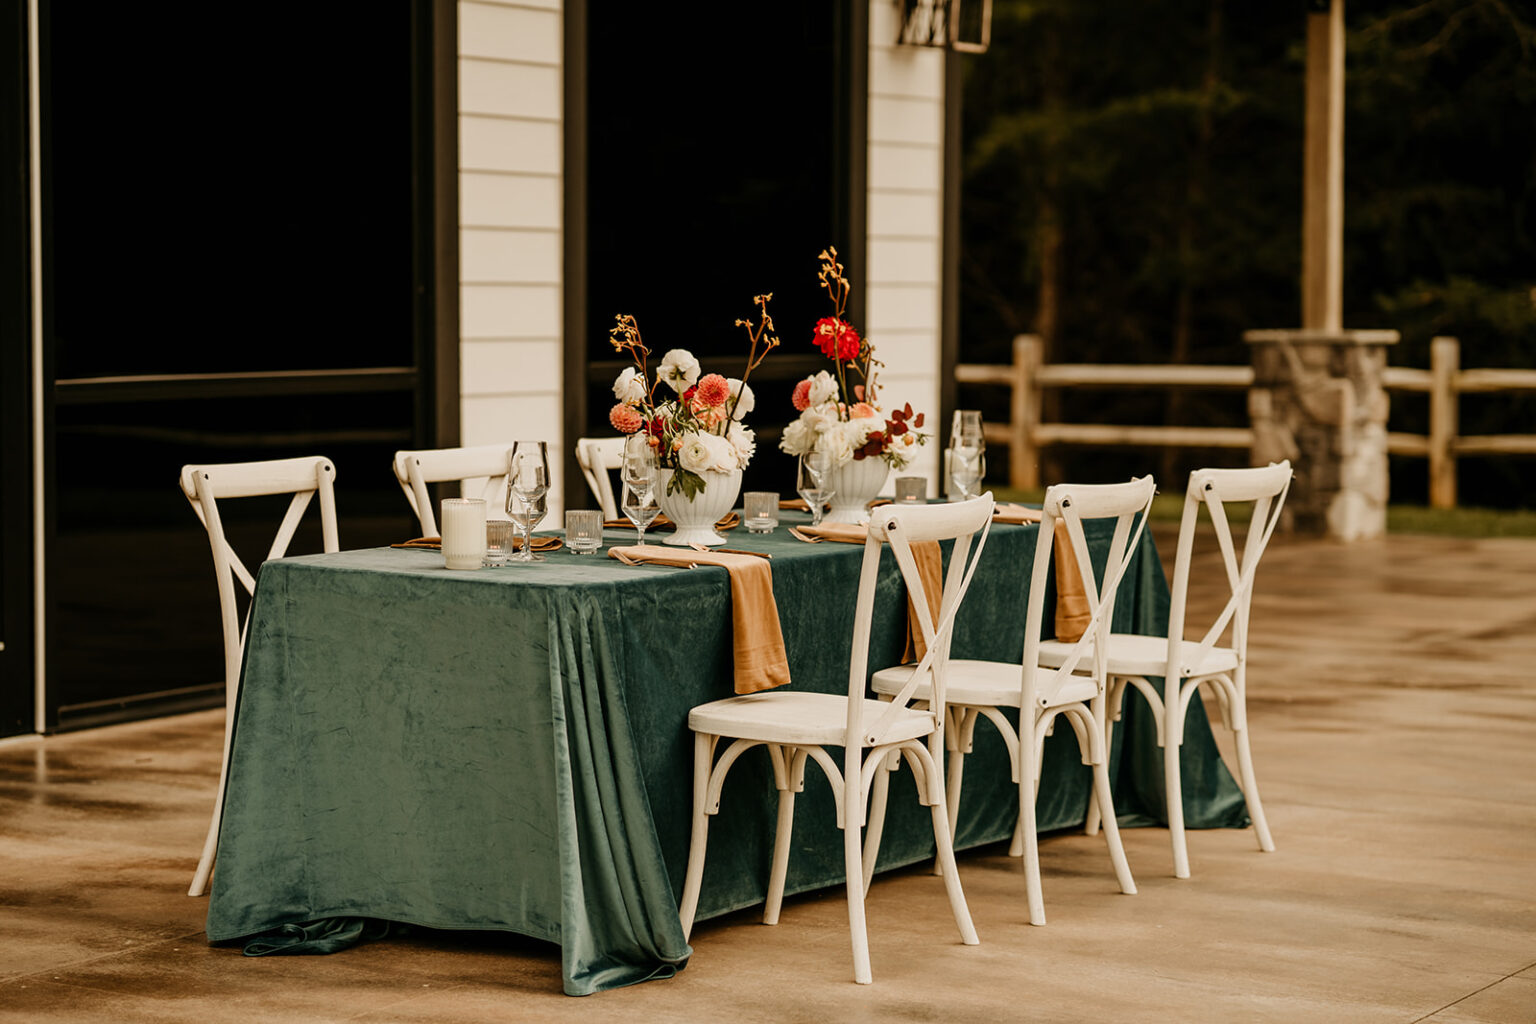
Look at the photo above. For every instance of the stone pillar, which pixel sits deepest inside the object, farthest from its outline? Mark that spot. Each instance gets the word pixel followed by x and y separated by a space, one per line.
pixel 1318 400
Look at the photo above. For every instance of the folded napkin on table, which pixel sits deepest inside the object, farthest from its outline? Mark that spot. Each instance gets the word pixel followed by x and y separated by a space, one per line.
pixel 930 569
pixel 729 521
pixel 799 505
pixel 436 543
pixel 757 638
pixel 1072 614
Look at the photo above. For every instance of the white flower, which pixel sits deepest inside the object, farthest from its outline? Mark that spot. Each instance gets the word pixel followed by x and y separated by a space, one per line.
pixel 679 369
pixel 629 388
pixel 820 417
pixel 722 453
pixel 743 440
pixel 697 454
pixel 858 430
pixel 798 438
pixel 823 388
pixel 745 403
pixel 835 443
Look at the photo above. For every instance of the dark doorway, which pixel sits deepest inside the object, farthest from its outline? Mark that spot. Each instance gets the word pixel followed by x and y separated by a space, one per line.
pixel 237 267
pixel 16 622
pixel 719 162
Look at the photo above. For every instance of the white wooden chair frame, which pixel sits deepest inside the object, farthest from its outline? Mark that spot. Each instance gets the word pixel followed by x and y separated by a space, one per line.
pixel 481 472
pixel 204 487
pixel 795 726
pixel 1187 666
pixel 597 457
pixel 977 688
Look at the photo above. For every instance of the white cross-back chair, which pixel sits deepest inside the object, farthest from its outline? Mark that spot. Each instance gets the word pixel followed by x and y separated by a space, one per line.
pixel 1186 665
pixel 205 487
pixel 1074 691
pixel 480 472
pixel 794 726
pixel 598 457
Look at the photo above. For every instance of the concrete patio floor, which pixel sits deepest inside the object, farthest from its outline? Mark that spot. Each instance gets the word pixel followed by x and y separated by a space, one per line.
pixel 1394 720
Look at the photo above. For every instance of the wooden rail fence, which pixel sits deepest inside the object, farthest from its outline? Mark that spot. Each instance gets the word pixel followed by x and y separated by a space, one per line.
pixel 1025 434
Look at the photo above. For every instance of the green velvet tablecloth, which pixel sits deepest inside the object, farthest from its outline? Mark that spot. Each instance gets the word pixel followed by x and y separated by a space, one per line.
pixel 508 749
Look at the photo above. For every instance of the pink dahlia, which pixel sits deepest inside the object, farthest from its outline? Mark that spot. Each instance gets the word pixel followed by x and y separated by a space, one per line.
pixel 713 391
pixel 625 419
pixel 801 399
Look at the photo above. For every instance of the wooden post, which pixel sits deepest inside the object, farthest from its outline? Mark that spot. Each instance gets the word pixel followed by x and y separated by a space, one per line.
pixel 1322 221
pixel 1023 456
pixel 1444 366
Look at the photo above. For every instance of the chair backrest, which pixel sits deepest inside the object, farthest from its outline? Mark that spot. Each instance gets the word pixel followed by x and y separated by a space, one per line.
pixel 481 472
pixel 901 526
pixel 1213 489
pixel 206 485
pixel 1071 505
pixel 598 456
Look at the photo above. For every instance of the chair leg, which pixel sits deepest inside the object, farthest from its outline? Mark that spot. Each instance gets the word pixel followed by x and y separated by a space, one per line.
pixel 1115 697
pixel 853 865
pixel 1026 831
pixel 943 839
pixel 703 753
pixel 875 831
pixel 1105 802
pixel 780 868
pixel 1174 787
pixel 211 841
pixel 1251 791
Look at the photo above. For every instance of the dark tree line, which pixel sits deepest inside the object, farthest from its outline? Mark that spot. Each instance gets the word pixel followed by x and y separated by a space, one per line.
pixel 1133 194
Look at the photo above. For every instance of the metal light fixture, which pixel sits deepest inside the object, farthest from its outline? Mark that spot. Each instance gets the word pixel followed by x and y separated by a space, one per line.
pixel 939 23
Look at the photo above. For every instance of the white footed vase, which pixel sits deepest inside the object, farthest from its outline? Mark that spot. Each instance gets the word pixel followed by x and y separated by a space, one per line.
pixel 854 485
pixel 696 517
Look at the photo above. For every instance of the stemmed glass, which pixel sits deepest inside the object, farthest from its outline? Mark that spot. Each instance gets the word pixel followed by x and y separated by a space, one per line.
pixel 811 480
pixel 967 452
pixel 638 475
pixel 527 491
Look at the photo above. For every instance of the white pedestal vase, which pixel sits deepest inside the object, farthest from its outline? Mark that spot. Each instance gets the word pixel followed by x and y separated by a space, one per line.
pixel 854 486
pixel 696 517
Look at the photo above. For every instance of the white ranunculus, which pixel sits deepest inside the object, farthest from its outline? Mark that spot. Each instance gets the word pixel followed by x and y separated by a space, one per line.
pixel 902 449
pixel 679 369
pixel 820 417
pixel 823 388
pixel 743 440
pixel 695 455
pixel 722 453
pixel 799 437
pixel 835 443
pixel 629 388
pixel 746 402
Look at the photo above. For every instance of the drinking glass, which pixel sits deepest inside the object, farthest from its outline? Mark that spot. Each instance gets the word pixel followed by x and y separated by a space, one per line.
pixel 584 530
pixel 527 488
pixel 498 542
pixel 911 490
pixel 762 511
pixel 967 452
pixel 638 474
pixel 815 469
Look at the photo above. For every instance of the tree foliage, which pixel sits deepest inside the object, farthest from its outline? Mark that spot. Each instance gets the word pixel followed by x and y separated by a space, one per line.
pixel 1132 187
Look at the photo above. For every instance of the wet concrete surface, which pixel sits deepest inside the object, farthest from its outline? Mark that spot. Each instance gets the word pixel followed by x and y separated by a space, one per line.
pixel 1394 718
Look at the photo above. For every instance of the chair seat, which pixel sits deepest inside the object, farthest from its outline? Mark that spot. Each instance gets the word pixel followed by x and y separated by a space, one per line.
pixel 986 682
pixel 1131 654
pixel 790 716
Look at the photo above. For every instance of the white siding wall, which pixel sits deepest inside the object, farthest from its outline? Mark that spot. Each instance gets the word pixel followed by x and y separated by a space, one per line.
pixel 906 200
pixel 509 223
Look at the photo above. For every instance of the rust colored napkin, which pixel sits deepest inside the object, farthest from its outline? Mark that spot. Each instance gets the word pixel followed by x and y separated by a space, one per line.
pixel 729 521
pixel 758 640
pixel 1072 614
pixel 930 569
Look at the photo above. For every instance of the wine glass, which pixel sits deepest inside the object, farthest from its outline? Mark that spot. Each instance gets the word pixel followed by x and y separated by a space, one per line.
pixel 527 490
pixel 811 482
pixel 638 475
pixel 967 452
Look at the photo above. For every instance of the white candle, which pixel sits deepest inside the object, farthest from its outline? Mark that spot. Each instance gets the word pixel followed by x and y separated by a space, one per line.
pixel 463 524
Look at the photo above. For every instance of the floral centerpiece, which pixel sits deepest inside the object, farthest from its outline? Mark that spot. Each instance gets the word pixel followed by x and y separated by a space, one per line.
pixel 693 421
pixel 840 413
